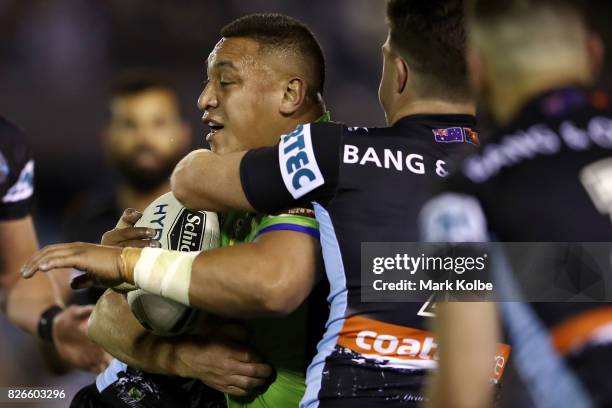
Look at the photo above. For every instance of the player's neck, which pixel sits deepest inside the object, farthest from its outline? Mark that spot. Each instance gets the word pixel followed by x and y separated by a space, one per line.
pixel 432 107
pixel 507 98
pixel 309 116
pixel 129 197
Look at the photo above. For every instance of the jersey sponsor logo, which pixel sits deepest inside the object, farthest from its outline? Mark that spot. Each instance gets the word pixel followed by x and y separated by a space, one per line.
pixel 401 347
pixel 536 141
pixel 385 344
pixel 597 181
pixel 391 160
pixel 298 164
pixel 23 187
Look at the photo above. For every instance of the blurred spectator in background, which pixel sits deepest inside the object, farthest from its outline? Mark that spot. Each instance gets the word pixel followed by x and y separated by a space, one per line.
pixel 144 139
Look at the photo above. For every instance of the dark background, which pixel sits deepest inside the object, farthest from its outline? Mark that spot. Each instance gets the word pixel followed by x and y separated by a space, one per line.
pixel 59 57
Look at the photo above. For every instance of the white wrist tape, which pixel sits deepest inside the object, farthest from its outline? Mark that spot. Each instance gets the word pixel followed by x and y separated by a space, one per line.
pixel 165 273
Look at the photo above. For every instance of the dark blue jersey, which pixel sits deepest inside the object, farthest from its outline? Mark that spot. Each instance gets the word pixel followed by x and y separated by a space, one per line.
pixel 545 177
pixel 366 185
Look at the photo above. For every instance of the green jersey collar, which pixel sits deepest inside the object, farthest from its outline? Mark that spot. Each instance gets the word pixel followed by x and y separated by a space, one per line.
pixel 326 117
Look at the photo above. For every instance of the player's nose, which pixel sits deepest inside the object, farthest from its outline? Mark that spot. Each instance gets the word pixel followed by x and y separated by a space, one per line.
pixel 207 99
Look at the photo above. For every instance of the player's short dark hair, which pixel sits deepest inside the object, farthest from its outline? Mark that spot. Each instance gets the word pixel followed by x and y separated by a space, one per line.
pixel 486 10
pixel 278 32
pixel 136 82
pixel 430 35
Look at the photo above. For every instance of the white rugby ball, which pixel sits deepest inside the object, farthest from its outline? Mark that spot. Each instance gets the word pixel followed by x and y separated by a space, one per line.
pixel 180 229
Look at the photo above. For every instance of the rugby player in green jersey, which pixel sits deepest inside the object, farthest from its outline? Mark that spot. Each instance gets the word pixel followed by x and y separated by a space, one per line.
pixel 265 77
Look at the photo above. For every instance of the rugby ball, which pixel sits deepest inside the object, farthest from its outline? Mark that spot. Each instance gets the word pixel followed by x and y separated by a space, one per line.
pixel 180 229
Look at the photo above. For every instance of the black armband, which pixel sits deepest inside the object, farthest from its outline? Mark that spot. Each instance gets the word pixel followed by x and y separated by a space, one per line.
pixel 45 323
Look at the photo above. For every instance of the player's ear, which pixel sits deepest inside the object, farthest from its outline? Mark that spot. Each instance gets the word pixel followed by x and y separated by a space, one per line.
pixel 402 71
pixel 293 96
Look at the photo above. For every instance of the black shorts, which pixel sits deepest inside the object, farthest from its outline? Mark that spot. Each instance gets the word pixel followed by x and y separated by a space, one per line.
pixel 135 389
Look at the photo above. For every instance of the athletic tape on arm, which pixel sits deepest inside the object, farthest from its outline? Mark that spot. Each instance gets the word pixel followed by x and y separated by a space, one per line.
pixel 160 271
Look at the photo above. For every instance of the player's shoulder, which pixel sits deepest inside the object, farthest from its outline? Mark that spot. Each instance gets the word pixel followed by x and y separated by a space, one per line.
pixel 320 130
pixel 333 135
pixel 330 132
pixel 307 137
pixel 568 122
pixel 340 129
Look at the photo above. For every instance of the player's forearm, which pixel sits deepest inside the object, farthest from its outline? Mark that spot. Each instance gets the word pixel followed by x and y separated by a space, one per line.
pixel 243 282
pixel 24 301
pixel 467 335
pixel 268 277
pixel 113 327
pixel 207 181
pixel 27 299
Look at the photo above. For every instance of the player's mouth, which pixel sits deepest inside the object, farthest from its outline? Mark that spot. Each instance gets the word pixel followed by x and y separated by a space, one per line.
pixel 215 127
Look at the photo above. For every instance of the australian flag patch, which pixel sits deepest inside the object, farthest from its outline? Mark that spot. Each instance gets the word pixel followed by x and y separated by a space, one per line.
pixel 456 135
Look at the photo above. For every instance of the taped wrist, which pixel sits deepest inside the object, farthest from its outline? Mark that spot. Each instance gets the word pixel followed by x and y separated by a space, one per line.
pixel 159 271
pixel 129 258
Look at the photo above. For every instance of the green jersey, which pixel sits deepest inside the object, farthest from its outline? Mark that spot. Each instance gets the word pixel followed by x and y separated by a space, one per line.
pixel 280 341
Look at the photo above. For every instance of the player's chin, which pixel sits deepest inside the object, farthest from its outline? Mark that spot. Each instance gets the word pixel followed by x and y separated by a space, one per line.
pixel 219 146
